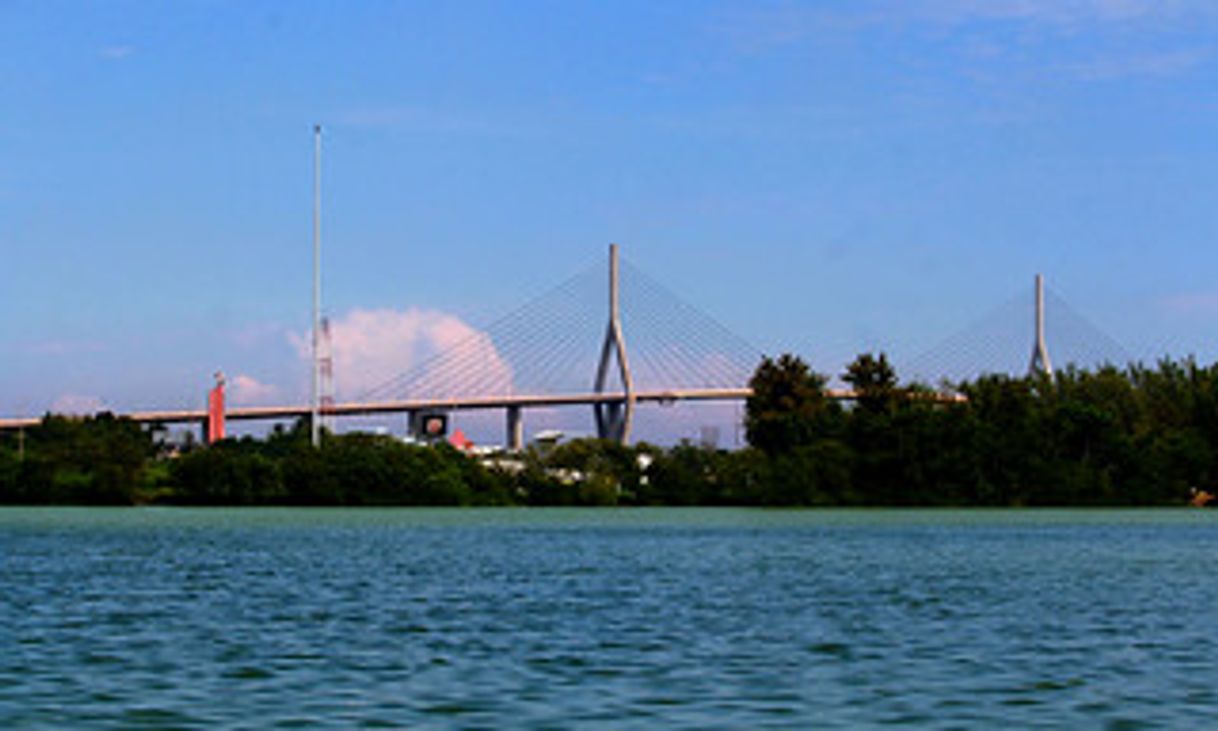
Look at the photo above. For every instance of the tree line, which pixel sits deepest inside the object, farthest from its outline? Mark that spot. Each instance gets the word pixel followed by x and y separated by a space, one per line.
pixel 1109 436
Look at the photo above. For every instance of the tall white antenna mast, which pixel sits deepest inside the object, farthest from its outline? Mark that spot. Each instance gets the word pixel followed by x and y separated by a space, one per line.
pixel 315 421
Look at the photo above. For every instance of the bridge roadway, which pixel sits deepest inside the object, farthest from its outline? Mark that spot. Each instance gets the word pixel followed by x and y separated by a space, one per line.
pixel 262 413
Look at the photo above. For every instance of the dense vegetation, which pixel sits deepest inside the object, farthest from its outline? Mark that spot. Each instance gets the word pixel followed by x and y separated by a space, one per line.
pixel 1137 436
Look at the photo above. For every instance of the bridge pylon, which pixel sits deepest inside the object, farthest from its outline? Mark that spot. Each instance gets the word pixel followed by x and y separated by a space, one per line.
pixel 613 419
pixel 1040 363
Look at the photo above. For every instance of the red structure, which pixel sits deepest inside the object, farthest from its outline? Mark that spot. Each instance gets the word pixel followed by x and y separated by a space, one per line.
pixel 215 411
pixel 460 441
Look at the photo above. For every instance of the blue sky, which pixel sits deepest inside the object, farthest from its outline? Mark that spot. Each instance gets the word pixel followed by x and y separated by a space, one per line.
pixel 821 177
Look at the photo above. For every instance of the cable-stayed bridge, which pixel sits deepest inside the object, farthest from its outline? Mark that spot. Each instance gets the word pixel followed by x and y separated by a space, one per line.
pixel 613 339
pixel 1034 330
pixel 611 348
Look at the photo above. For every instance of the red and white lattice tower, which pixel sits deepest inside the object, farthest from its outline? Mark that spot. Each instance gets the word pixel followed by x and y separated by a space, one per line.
pixel 326 365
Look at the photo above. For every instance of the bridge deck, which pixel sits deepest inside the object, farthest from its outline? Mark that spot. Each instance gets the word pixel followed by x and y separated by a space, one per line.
pixel 261 413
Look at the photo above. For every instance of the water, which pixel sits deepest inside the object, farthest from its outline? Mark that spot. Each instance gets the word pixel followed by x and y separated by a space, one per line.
pixel 624 619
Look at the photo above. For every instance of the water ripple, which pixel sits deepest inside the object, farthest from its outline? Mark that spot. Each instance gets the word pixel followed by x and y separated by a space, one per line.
pixel 633 619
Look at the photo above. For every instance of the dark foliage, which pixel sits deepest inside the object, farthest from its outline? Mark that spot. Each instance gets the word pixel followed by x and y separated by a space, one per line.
pixel 1139 436
pixel 99 460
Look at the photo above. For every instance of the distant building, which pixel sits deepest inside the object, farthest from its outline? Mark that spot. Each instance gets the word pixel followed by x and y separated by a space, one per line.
pixel 548 438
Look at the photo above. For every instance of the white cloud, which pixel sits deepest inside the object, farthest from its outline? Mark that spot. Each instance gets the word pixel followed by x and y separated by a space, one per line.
pixel 1191 303
pixel 77 404
pixel 427 119
pixel 247 390
pixel 116 52
pixel 65 347
pixel 256 334
pixel 759 27
pixel 442 355
pixel 1049 11
pixel 1152 64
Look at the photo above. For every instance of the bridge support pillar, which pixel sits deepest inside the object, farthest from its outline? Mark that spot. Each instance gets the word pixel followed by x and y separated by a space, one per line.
pixel 613 419
pixel 515 429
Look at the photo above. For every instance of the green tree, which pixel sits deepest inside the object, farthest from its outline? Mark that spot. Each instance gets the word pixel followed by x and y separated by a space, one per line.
pixel 98 460
pixel 787 406
pixel 10 473
pixel 687 474
pixel 874 381
pixel 227 473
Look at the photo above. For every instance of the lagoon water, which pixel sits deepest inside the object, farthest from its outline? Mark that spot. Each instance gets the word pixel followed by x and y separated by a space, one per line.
pixel 623 619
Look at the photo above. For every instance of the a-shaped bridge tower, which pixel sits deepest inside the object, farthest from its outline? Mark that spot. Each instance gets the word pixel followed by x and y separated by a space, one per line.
pixel 613 418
